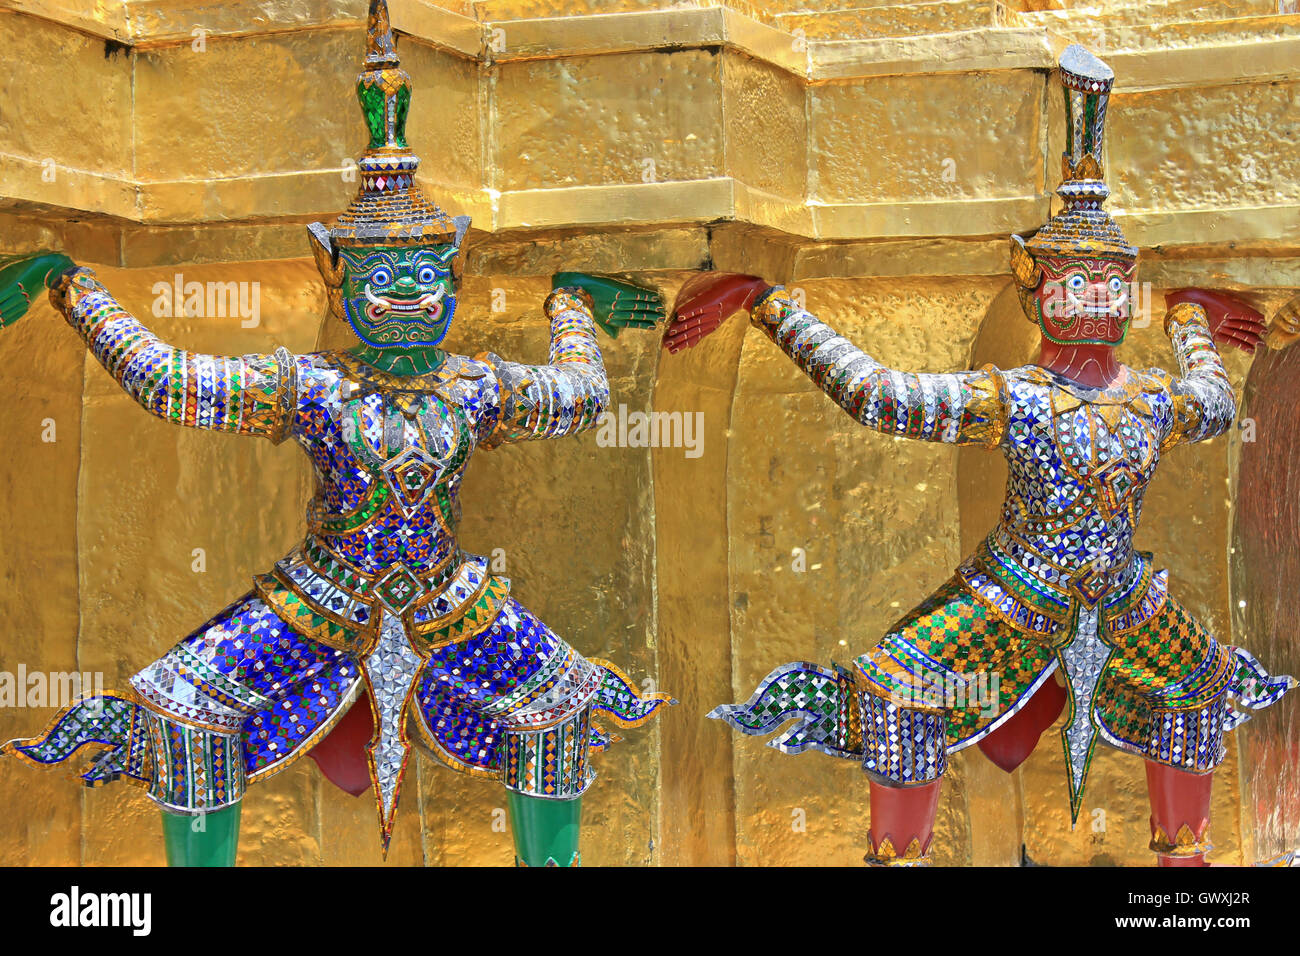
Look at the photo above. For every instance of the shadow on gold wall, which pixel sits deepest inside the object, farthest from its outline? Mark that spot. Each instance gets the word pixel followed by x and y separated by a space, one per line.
pixel 1265 562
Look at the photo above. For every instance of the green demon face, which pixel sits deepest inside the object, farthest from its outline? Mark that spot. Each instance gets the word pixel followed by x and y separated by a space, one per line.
pixel 399 296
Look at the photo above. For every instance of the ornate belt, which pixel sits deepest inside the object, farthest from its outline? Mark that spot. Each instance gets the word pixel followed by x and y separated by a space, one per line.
pixel 324 598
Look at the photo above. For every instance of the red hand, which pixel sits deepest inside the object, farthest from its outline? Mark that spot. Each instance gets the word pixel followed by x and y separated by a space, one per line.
pixel 1232 321
pixel 704 301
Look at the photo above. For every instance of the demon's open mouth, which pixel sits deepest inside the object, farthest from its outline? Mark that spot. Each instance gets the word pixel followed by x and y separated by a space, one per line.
pixel 428 306
pixel 1111 308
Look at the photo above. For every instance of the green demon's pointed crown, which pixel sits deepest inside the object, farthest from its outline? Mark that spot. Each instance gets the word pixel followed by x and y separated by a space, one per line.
pixel 389 207
pixel 392 260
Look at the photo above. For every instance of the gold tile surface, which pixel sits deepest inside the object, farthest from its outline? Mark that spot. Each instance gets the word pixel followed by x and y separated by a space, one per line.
pixel 878 172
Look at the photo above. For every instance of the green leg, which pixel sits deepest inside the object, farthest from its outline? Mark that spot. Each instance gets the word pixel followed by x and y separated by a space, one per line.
pixel 208 839
pixel 545 831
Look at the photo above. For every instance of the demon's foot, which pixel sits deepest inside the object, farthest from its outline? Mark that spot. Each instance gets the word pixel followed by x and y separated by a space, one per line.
pixel 202 839
pixel 1180 815
pixel 546 831
pixel 902 824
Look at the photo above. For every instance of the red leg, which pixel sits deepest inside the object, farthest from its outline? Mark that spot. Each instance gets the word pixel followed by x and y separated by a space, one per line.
pixel 1012 743
pixel 341 756
pixel 1180 815
pixel 902 824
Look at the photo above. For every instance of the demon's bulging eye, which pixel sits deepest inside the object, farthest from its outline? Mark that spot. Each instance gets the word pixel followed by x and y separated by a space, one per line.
pixel 1116 285
pixel 1075 283
pixel 381 276
pixel 427 275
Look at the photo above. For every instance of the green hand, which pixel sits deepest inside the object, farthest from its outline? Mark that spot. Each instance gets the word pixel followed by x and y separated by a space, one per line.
pixel 615 304
pixel 25 276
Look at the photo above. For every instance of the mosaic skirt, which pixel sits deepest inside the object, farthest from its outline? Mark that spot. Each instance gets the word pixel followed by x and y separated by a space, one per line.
pixel 953 670
pixel 245 696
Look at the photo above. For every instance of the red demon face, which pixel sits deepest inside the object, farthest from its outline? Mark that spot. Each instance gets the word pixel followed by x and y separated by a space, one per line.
pixel 1084 301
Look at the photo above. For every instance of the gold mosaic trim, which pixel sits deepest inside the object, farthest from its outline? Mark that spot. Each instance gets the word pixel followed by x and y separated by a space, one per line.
pixel 307 618
pixel 1185 842
pixel 458 611
pixel 976 566
pixel 472 618
pixel 866 685
pixel 886 855
pixel 453 368
pixel 550 861
pixel 990 401
pixel 1187 313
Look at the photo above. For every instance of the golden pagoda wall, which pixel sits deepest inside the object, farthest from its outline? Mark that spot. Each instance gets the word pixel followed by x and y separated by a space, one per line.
pixel 877 166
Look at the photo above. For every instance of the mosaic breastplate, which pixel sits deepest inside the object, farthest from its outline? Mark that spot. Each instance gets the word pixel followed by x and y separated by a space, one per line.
pixel 1079 466
pixel 382 527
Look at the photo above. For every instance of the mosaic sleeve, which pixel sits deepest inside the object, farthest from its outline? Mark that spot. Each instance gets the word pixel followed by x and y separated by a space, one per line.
pixel 1203 402
pixel 249 395
pixel 563 397
pixel 961 408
